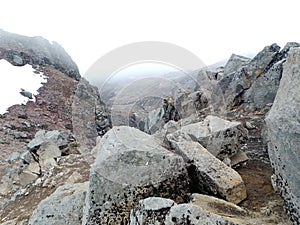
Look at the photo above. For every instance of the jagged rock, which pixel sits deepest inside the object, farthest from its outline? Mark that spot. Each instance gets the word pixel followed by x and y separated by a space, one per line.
pixel 209 174
pixel 283 129
pixel 153 122
pixel 151 210
pixel 220 137
pixel 20 50
pixel 48 150
pixel 218 206
pixel 27 177
pixel 26 94
pixel 55 136
pixel 234 85
pixel 89 115
pixel 235 63
pixel 131 166
pixel 264 88
pixel 64 206
pixel 192 214
pixel 238 158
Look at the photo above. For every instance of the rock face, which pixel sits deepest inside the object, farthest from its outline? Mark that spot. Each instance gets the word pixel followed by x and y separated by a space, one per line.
pixel 130 166
pixel 220 137
pixel 233 85
pixel 234 63
pixel 37 51
pixel 283 134
pixel 64 206
pixel 209 175
pixel 89 115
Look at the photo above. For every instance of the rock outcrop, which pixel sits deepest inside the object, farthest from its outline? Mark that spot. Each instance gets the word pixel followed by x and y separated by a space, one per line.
pixel 36 51
pixel 283 134
pixel 131 166
pixel 220 137
pixel 165 211
pixel 209 175
pixel 64 206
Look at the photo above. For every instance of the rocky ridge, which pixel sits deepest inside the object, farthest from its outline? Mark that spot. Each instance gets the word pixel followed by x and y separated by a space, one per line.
pixel 211 166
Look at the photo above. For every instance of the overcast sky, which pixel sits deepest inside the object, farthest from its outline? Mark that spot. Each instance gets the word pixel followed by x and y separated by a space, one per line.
pixel 210 29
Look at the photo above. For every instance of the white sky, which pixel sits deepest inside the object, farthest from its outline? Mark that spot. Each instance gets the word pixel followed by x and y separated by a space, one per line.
pixel 211 29
pixel 15 79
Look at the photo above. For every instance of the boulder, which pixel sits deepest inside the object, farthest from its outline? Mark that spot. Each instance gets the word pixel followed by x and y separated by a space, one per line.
pixel 220 137
pixel 131 166
pixel 218 206
pixel 152 210
pixel 192 214
pixel 233 85
pixel 283 134
pixel 235 63
pixel 64 206
pixel 55 136
pixel 264 88
pixel 209 174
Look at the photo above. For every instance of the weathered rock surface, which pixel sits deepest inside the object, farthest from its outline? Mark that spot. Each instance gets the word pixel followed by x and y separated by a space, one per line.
pixel 209 174
pixel 152 210
pixel 64 206
pixel 192 214
pixel 131 166
pixel 220 137
pixel 42 136
pixel 283 134
pixel 233 85
pixel 20 50
pixel 220 207
pixel 158 211
pixel 89 116
pixel 234 63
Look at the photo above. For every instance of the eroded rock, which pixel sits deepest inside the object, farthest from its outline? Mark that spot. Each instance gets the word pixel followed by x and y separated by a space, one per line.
pixel 131 166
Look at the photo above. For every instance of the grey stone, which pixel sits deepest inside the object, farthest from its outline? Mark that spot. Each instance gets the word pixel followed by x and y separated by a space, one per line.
pixel 26 94
pixel 283 134
pixel 233 85
pixel 209 174
pixel 13 157
pixel 64 206
pixel 131 166
pixel 235 63
pixel 218 206
pixel 192 214
pixel 55 136
pixel 152 210
pixel 89 116
pixel 220 137
pixel 264 88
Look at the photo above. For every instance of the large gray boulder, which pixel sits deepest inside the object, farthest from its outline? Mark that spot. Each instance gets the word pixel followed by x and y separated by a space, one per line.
pixel 283 134
pixel 131 166
pixel 64 206
pixel 220 137
pixel 209 174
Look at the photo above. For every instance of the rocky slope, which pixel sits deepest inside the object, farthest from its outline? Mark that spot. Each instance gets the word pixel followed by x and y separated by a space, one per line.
pixel 22 169
pixel 62 164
